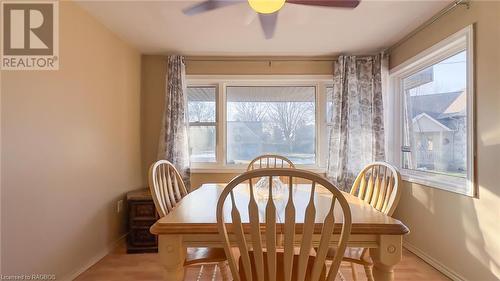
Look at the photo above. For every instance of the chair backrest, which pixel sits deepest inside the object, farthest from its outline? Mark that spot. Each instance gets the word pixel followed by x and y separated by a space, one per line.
pixel 287 232
pixel 379 185
pixel 166 185
pixel 270 161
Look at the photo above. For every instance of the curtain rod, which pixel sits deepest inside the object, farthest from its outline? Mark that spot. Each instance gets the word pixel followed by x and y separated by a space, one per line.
pixel 429 22
pixel 260 59
pixel 250 59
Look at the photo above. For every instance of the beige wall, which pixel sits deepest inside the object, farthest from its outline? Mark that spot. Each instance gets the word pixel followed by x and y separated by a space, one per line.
pixel 153 89
pixel 153 75
pixel 70 150
pixel 463 233
pixel 259 65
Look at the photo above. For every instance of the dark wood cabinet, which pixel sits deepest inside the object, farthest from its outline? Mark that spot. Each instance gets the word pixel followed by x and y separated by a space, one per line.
pixel 141 215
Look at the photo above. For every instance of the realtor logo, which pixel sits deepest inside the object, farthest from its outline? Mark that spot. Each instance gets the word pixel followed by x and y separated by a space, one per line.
pixel 30 35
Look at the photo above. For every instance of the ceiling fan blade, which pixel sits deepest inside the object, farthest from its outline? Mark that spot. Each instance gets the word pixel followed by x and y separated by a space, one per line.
pixel 327 3
pixel 268 24
pixel 209 5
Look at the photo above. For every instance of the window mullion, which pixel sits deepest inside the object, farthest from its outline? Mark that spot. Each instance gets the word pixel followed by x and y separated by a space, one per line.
pixel 202 124
pixel 221 124
pixel 321 124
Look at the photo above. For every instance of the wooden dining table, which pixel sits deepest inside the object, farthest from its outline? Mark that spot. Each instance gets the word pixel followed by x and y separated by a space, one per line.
pixel 193 223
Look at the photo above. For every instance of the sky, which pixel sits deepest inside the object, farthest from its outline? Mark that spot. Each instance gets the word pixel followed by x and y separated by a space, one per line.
pixel 450 75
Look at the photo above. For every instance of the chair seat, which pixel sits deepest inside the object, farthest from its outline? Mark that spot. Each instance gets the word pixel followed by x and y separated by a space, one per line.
pixel 352 254
pixel 204 255
pixel 280 269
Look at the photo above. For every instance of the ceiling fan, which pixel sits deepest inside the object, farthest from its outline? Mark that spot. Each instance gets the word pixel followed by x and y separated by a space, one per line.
pixel 267 9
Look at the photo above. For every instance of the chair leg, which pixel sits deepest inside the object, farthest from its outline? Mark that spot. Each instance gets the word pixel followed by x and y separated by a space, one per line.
pixel 354 274
pixel 224 271
pixel 369 272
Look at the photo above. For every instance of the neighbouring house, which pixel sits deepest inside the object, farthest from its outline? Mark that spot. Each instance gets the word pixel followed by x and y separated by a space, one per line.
pixel 245 138
pixel 440 131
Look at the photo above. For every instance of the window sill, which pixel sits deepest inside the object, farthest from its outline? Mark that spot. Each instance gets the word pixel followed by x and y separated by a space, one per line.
pixel 442 182
pixel 241 169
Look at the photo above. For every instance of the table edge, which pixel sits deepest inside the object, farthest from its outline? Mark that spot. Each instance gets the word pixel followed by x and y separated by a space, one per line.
pixel 211 228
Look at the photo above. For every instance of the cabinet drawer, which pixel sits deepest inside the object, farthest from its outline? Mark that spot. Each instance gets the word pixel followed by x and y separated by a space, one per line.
pixel 141 223
pixel 141 237
pixel 142 210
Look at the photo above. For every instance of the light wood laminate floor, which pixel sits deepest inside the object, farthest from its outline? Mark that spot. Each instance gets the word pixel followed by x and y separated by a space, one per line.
pixel 119 266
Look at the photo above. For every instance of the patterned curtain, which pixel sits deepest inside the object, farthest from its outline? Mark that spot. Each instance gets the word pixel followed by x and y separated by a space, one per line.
pixel 357 125
pixel 173 145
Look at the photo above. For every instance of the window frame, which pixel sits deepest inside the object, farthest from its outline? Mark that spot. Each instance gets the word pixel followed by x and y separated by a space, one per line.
pixel 319 82
pixel 452 45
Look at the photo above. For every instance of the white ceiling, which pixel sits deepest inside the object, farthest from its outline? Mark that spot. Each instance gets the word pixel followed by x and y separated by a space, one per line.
pixel 160 27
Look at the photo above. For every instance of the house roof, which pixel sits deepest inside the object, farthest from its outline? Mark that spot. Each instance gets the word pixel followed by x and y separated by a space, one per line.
pixel 433 105
pixel 251 130
pixel 441 108
pixel 457 108
pixel 425 123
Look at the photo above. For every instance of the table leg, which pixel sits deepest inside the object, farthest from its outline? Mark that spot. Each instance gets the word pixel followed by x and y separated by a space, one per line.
pixel 386 256
pixel 172 256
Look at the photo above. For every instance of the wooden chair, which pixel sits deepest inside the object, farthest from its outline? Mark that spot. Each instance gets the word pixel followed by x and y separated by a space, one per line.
pixel 378 184
pixel 270 161
pixel 167 189
pixel 267 161
pixel 267 249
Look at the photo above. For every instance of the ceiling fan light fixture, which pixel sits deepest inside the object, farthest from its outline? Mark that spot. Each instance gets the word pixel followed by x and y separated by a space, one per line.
pixel 266 6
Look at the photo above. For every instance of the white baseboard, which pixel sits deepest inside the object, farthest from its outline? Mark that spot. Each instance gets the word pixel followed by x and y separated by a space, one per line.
pixel 94 260
pixel 433 262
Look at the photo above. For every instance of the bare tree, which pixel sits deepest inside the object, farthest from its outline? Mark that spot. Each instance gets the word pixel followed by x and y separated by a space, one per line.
pixel 250 111
pixel 290 117
pixel 201 111
pixel 287 117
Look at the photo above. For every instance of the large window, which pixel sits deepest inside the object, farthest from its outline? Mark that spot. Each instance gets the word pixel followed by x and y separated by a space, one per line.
pixel 270 120
pixel 233 121
pixel 436 116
